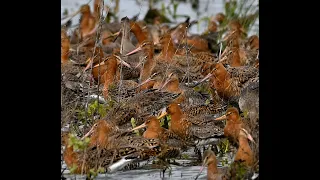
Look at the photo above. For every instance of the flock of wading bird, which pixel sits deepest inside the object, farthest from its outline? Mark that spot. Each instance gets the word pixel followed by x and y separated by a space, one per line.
pixel 151 73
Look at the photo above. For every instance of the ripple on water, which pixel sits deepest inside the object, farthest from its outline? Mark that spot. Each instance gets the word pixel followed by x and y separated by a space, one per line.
pixel 177 172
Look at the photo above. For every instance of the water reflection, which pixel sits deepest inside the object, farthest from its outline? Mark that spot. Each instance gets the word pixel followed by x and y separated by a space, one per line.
pixel 177 172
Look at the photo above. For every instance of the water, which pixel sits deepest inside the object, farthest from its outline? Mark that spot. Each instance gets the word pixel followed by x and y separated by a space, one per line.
pixel 145 171
pixel 177 172
pixel 131 8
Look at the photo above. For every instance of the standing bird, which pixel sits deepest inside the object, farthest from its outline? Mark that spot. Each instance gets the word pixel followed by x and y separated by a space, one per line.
pixel 228 82
pixel 210 160
pixel 234 125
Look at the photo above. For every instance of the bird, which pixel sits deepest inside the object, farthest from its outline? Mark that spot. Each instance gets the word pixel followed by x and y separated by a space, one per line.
pixel 234 125
pixel 87 21
pixel 139 106
pixel 155 131
pixel 228 82
pixel 65 46
pixel 194 123
pixel 210 160
pixel 244 153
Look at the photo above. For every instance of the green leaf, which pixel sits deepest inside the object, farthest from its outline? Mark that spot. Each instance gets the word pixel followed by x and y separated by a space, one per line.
pixel 70 142
pixel 80 144
pixel 161 122
pixel 101 170
pixel 197 88
pixel 75 147
pixel 175 6
pixel 73 168
pixel 87 140
pixel 65 12
pixel 245 113
pixel 133 124
pixel 163 9
pixel 227 145
pixel 185 156
pixel 93 172
pixel 207 102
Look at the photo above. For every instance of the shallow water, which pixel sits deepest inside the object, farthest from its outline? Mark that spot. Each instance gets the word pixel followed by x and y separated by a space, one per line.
pixel 145 171
pixel 176 173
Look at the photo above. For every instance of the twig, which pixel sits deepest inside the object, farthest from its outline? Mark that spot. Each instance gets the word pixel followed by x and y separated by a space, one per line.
pixel 121 52
pixel 98 34
pixel 220 51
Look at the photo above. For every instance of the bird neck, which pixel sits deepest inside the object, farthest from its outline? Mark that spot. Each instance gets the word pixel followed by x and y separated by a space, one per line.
pixel 177 115
pixel 102 135
pixel 235 61
pixel 173 86
pixel 137 31
pixel 243 142
pixel 110 74
pixel 177 125
pixel 155 130
pixel 168 50
pixel 212 168
pixel 65 50
pixel 85 19
pixel 97 4
pixel 147 67
pixel 147 85
pixel 236 120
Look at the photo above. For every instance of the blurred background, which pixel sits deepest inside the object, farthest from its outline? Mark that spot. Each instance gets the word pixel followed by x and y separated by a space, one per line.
pixel 175 10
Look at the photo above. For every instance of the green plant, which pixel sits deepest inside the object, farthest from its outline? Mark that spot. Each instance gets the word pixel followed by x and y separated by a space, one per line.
pixel 73 168
pixel 245 114
pixel 163 9
pixel 223 146
pixel 239 169
pixel 175 7
pixel 207 102
pixel 77 143
pixel 243 10
pixel 94 108
pixel 94 173
pixel 167 8
pixel 65 12
pixel 224 161
pixel 205 19
pixel 185 156
pixel 133 124
pixel 97 107
pixel 165 121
